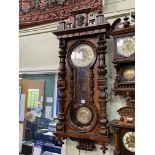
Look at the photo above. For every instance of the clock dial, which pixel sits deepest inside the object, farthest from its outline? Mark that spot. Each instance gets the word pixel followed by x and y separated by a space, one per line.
pixel 129 141
pixel 84 115
pixel 82 55
pixel 126 46
pixel 129 74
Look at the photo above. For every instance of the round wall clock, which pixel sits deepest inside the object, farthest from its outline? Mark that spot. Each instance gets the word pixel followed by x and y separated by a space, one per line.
pixel 82 55
pixel 129 141
pixel 126 46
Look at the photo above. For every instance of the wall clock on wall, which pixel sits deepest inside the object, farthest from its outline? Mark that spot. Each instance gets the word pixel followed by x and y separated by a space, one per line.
pixel 81 80
pixel 123 33
pixel 124 137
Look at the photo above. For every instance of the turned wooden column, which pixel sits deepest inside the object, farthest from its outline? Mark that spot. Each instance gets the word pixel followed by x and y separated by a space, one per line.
pixel 102 86
pixel 61 86
pixel 71 84
pixel 117 78
pixel 116 141
pixel 91 86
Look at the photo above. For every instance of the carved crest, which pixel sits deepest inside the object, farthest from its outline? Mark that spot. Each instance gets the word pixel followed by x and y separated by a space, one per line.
pixel 80 20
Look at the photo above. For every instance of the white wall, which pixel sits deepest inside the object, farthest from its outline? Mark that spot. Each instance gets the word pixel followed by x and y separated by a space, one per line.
pixel 116 6
pixel 39 50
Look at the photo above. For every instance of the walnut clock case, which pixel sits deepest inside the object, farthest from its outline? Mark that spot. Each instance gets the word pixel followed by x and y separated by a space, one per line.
pixel 123 33
pixel 81 80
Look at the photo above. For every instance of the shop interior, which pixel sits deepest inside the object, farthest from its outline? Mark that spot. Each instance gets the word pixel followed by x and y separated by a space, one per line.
pixel 42 66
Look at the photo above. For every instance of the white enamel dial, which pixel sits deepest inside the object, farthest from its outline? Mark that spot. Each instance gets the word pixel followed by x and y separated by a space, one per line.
pixel 129 141
pixel 126 46
pixel 82 55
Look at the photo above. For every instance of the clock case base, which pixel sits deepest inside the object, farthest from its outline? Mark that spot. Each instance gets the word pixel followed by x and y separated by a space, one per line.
pixel 119 129
pixel 85 141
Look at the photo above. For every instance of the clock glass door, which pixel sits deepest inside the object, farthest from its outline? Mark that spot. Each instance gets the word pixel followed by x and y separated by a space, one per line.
pixel 81 111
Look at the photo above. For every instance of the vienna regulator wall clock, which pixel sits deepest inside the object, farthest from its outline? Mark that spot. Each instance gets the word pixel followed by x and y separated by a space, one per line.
pixel 123 33
pixel 81 80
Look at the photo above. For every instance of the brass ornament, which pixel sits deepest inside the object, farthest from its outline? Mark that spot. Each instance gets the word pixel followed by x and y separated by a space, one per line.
pixel 129 74
pixel 84 115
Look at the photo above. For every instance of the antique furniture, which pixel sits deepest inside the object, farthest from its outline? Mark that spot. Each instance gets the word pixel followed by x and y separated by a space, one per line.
pixel 124 137
pixel 123 33
pixel 81 80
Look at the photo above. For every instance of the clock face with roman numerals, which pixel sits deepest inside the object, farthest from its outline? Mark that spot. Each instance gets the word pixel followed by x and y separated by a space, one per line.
pixel 82 55
pixel 129 141
pixel 126 46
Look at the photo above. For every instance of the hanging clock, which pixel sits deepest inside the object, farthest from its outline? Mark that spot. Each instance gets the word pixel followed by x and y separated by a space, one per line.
pixel 82 80
pixel 124 137
pixel 123 33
